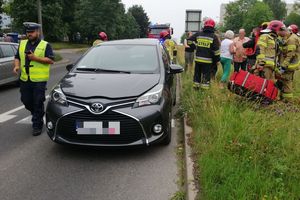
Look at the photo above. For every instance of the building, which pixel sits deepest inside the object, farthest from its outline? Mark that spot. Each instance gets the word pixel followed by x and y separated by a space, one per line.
pixel 289 8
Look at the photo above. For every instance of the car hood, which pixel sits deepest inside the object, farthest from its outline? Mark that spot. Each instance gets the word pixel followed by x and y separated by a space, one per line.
pixel 86 85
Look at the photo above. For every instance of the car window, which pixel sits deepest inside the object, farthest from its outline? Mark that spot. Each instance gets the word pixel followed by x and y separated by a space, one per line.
pixel 165 57
pixel 7 51
pixel 15 48
pixel 132 58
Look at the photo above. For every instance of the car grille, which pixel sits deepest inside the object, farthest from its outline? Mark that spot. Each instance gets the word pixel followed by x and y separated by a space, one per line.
pixel 131 131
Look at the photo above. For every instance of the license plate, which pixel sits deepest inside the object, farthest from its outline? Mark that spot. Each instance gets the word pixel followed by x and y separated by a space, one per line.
pixel 98 128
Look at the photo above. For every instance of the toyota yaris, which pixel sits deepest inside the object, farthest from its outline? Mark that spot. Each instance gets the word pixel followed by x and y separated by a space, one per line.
pixel 120 93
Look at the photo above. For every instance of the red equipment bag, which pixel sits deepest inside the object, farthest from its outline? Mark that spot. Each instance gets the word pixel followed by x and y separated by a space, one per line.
pixel 254 87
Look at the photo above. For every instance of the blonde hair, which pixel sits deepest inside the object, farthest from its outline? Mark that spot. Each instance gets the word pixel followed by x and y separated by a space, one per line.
pixel 229 34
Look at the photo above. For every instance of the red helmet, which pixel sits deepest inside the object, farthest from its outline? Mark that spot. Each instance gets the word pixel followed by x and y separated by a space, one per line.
pixel 103 36
pixel 164 34
pixel 210 23
pixel 276 26
pixel 293 28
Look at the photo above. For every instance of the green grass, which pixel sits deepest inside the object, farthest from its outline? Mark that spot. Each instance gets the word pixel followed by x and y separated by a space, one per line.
pixel 57 57
pixel 65 45
pixel 243 150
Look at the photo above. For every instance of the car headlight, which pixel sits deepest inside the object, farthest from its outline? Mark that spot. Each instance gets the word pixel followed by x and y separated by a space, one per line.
pixel 58 96
pixel 151 97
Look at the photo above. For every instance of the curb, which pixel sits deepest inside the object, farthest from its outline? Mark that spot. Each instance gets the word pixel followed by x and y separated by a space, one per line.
pixel 190 187
pixel 63 61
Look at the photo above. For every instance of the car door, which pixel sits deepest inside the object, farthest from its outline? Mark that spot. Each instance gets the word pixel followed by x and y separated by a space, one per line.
pixel 7 62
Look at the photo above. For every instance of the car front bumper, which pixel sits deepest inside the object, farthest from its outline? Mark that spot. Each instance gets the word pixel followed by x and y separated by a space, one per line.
pixel 136 124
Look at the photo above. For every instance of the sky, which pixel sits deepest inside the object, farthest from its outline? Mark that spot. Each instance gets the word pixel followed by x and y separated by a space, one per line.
pixel 173 11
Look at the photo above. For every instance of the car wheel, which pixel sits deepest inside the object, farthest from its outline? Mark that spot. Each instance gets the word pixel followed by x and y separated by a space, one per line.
pixel 167 140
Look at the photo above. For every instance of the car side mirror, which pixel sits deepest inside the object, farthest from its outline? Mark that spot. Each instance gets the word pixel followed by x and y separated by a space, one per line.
pixel 69 67
pixel 176 69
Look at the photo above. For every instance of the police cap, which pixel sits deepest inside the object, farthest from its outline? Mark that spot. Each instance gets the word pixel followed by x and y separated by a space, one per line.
pixel 31 26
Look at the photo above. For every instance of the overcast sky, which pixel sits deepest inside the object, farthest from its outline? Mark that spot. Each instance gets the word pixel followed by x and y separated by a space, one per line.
pixel 173 11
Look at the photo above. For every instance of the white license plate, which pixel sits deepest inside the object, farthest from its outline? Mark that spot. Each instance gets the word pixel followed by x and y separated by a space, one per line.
pixel 98 128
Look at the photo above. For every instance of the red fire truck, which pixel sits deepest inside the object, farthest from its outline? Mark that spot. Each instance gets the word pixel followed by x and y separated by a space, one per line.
pixel 155 29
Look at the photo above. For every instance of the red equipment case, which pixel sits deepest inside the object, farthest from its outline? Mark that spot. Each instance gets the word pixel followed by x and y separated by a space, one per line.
pixel 254 87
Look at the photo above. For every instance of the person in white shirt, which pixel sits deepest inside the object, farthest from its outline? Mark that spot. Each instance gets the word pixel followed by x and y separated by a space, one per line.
pixel 227 51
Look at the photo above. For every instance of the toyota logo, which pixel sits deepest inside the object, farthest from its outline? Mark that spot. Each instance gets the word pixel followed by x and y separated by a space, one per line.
pixel 97 107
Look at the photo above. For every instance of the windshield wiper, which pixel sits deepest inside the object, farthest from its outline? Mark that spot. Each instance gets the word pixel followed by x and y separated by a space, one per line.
pixel 91 69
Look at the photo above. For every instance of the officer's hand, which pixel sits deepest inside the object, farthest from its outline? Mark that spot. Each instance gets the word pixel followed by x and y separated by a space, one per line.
pixel 31 56
pixel 16 70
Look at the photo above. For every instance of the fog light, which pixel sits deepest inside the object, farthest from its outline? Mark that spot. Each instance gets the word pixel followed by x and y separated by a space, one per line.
pixel 157 128
pixel 50 125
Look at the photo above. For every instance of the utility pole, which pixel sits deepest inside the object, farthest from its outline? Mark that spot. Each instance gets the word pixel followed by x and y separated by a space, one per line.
pixel 40 20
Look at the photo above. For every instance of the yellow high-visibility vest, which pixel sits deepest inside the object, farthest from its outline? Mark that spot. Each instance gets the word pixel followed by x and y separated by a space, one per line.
pixel 38 72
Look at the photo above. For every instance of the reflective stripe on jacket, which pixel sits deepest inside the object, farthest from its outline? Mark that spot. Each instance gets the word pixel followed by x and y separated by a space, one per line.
pixel 267 54
pixel 208 46
pixel 38 72
pixel 290 55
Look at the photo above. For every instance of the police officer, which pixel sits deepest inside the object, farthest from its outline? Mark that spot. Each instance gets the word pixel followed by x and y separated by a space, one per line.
pixel 33 60
pixel 207 54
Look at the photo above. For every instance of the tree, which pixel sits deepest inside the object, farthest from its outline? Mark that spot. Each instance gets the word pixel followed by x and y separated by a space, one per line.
pixel 257 14
pixel 293 18
pixel 68 18
pixel 93 16
pixel 1 9
pixel 141 18
pixel 26 10
pixel 278 8
pixel 235 14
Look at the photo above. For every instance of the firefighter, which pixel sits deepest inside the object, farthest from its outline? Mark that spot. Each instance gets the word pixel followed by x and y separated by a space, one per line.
pixel 207 54
pixel 268 49
pixel 165 39
pixel 189 52
pixel 33 60
pixel 289 62
pixel 102 38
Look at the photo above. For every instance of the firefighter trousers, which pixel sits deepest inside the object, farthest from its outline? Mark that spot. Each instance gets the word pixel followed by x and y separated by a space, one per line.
pixel 202 74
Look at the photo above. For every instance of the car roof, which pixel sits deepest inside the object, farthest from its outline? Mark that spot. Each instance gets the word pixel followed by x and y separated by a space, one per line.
pixel 11 43
pixel 144 41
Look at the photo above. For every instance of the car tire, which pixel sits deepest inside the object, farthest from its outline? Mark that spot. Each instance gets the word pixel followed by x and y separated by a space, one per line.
pixel 168 138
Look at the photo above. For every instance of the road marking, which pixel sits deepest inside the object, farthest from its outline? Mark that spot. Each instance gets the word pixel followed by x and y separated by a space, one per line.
pixel 27 120
pixel 7 115
pixel 4 117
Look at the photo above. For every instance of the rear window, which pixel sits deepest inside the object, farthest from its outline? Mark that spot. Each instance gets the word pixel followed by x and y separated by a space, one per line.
pixel 132 58
pixel 7 50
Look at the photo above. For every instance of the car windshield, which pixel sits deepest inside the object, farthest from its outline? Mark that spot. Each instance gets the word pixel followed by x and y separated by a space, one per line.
pixel 120 58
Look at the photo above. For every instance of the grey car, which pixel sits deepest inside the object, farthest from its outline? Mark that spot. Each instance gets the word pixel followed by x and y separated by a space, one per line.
pixel 7 55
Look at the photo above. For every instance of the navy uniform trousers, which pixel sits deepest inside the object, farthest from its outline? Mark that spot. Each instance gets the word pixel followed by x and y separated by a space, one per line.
pixel 33 97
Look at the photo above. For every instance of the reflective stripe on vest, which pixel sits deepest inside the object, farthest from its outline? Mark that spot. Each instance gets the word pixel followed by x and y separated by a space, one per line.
pixel 38 72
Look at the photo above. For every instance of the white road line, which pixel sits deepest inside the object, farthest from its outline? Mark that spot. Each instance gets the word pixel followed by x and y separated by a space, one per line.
pixel 4 117
pixel 27 120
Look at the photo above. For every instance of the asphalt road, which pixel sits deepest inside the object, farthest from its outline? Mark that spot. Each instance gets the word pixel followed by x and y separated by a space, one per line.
pixel 36 168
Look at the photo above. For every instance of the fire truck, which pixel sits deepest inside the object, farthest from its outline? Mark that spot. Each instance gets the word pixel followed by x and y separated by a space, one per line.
pixel 155 29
